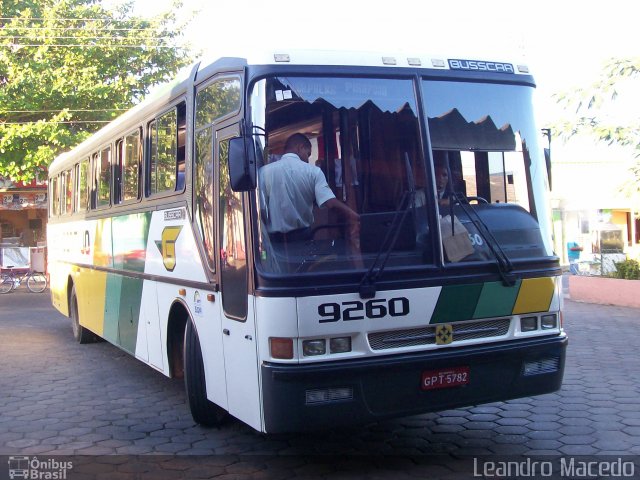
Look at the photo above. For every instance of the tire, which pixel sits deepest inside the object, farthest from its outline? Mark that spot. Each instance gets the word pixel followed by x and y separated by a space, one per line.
pixel 81 334
pixel 203 411
pixel 36 282
pixel 6 284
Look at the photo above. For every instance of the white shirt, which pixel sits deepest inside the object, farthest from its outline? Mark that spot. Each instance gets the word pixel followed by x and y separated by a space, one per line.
pixel 288 189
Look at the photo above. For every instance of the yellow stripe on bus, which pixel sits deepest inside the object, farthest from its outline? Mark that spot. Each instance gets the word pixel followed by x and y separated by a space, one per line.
pixel 90 289
pixel 535 295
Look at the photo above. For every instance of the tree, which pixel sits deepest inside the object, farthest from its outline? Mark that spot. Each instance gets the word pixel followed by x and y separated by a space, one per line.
pixel 599 107
pixel 67 67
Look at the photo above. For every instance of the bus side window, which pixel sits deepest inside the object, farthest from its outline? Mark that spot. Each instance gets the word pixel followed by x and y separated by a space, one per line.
pixel 68 192
pixel 127 168
pixel 94 181
pixel 82 186
pixel 117 172
pixel 152 159
pixel 131 166
pixel 204 192
pixel 216 100
pixel 55 196
pixel 182 146
pixel 163 153
pixel 168 149
pixel 103 177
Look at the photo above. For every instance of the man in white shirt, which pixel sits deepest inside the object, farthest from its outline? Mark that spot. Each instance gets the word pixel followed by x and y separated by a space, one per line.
pixel 290 186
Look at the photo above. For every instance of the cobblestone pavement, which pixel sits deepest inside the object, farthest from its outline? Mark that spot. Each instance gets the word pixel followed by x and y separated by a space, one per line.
pixel 61 398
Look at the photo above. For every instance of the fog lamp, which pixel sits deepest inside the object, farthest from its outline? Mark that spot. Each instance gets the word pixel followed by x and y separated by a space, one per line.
pixel 549 321
pixel 311 348
pixel 528 324
pixel 340 345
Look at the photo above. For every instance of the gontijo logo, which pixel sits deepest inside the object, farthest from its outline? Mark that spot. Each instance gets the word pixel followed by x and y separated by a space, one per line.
pixel 167 246
pixel 33 468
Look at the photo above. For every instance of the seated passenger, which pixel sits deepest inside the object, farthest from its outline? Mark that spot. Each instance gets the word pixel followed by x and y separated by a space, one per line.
pixel 442 180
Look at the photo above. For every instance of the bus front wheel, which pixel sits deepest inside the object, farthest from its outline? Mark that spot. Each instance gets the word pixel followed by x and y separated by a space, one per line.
pixel 81 334
pixel 204 411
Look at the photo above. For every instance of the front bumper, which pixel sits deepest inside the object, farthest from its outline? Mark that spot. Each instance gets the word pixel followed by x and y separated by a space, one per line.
pixel 389 386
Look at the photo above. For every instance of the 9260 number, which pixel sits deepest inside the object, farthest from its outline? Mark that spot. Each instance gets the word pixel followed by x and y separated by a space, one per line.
pixel 357 310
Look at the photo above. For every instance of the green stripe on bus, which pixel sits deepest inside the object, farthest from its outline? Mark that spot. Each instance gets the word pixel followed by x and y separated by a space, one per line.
pixel 122 310
pixel 112 307
pixel 130 312
pixel 496 300
pixel 456 303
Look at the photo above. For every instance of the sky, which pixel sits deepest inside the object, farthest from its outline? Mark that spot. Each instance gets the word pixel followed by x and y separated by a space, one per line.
pixel 564 42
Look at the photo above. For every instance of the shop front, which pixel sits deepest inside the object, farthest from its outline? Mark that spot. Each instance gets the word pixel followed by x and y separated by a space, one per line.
pixel 23 217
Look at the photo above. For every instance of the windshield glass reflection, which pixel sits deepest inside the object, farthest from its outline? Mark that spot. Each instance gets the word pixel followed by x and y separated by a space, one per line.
pixel 332 199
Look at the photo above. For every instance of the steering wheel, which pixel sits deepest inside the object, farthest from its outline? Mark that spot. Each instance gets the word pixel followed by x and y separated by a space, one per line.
pixel 477 199
pixel 315 230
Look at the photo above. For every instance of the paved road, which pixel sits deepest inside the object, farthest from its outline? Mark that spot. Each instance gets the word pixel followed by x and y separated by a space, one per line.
pixel 61 398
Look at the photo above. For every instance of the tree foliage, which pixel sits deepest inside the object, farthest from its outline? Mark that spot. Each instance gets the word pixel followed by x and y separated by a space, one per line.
pixel 69 66
pixel 598 106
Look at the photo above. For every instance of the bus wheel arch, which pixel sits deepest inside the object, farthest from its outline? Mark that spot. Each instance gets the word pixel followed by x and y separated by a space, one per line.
pixel 203 410
pixel 70 285
pixel 176 324
pixel 80 333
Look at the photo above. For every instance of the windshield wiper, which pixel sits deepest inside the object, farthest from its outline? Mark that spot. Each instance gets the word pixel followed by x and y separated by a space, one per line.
pixel 368 282
pixel 505 267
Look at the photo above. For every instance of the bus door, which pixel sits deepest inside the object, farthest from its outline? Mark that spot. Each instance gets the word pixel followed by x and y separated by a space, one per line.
pixel 238 322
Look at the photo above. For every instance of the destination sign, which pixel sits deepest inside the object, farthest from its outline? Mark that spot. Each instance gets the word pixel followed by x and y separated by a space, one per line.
pixel 480 66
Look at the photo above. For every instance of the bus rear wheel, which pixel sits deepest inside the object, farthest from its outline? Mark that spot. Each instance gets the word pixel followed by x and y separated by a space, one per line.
pixel 203 411
pixel 81 334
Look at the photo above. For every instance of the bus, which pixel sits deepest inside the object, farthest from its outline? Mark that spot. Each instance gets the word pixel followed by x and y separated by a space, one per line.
pixel 443 292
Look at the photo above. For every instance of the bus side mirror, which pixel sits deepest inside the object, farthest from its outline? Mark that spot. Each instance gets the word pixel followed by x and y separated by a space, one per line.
pixel 242 164
pixel 546 132
pixel 547 159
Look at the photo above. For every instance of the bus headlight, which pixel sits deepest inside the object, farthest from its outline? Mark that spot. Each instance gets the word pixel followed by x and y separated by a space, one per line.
pixel 528 324
pixel 312 348
pixel 549 321
pixel 340 345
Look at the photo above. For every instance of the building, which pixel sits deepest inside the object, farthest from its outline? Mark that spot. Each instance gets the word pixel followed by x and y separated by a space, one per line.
pixel 23 213
pixel 595 200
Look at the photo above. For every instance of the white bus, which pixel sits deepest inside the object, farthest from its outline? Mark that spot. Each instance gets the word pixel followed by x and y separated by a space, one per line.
pixel 444 293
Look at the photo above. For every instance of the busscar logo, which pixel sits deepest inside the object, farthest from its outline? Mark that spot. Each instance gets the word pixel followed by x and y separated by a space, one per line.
pixel 479 65
pixel 176 214
pixel 34 468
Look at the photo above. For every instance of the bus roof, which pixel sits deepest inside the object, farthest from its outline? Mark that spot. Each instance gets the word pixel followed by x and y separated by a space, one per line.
pixel 203 69
pixel 380 59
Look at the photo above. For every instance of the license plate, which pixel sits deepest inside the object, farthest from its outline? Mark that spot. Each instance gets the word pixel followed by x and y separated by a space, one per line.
pixel 445 378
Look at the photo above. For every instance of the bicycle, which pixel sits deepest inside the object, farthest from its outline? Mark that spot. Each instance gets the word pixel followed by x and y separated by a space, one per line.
pixel 36 281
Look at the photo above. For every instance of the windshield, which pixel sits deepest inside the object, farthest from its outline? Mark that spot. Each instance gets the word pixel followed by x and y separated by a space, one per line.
pixel 328 200
pixel 487 168
pixel 343 183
